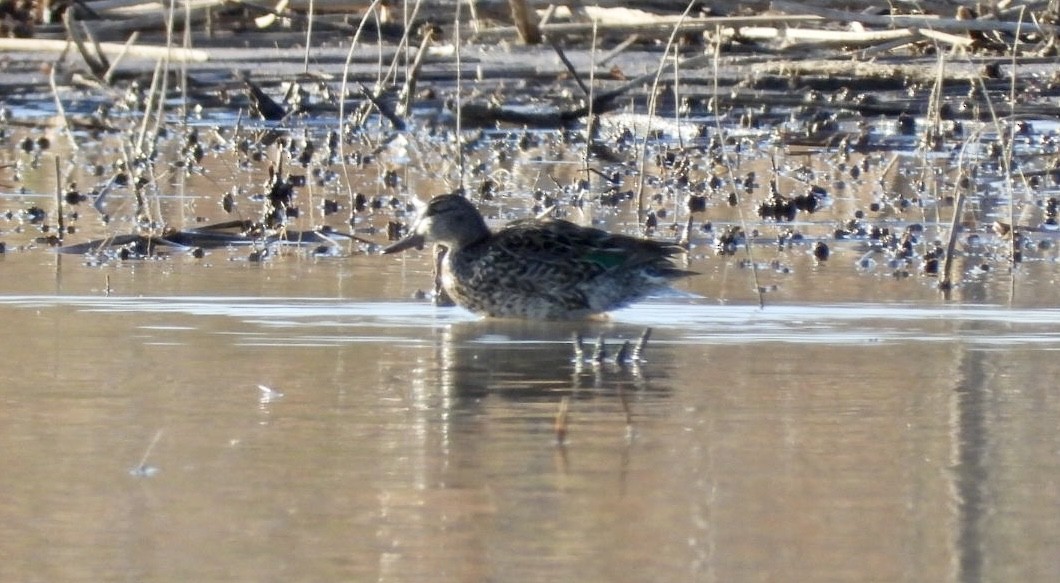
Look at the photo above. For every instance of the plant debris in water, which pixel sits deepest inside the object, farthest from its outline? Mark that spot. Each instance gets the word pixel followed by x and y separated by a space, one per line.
pixel 886 141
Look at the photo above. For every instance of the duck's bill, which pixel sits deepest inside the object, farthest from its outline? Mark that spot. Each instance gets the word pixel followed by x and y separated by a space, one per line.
pixel 409 242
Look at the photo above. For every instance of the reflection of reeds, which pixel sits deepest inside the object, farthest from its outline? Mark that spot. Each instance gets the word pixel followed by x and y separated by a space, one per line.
pixel 562 415
pixel 142 469
pixel 1007 140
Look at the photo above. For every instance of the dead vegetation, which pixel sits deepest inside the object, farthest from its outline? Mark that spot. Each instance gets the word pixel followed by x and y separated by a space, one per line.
pixel 810 76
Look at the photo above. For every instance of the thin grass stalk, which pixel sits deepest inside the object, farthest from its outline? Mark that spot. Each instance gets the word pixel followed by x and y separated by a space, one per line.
pixel 412 73
pixel 670 43
pixel 412 70
pixel 459 97
pixel 643 160
pixel 186 45
pixel 379 75
pixel 157 224
pixel 160 104
pixel 59 106
pixel 934 117
pixel 473 19
pixel 120 56
pixel 361 117
pixel 308 35
pixel 342 102
pixel 591 126
pixel 677 102
pixel 677 124
pixel 59 218
pixel 148 106
pixel 184 110
pixel 946 283
pixel 403 43
pixel 748 245
pixel 1007 159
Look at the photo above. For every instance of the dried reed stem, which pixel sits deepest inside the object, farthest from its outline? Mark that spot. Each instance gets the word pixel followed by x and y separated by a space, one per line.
pixel 342 102
pixel 59 107
pixel 748 246
pixel 652 98
pixel 529 32
pixel 408 91
pixel 59 200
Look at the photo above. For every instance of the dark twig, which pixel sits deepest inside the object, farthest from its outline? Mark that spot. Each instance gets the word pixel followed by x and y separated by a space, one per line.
pixel 384 109
pixel 570 68
pixel 59 200
pixel 97 63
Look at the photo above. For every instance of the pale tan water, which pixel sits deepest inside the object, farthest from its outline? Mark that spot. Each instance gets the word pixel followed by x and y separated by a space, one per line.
pixel 809 441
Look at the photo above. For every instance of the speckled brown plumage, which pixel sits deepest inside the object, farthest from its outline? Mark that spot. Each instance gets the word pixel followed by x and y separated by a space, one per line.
pixel 547 269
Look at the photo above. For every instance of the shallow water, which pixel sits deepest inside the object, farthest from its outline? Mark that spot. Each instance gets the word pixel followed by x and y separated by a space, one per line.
pixel 812 441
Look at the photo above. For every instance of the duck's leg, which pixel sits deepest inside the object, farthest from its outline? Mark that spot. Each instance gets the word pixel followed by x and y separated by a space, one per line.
pixel 441 297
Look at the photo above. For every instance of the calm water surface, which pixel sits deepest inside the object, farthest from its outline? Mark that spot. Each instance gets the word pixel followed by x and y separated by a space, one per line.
pixel 809 441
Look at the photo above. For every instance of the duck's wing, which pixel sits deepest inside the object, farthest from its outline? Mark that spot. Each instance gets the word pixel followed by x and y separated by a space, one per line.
pixel 584 252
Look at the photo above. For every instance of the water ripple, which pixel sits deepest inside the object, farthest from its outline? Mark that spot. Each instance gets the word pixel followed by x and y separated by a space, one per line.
pixel 684 322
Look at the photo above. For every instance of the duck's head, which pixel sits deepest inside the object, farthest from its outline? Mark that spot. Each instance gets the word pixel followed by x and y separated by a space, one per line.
pixel 449 220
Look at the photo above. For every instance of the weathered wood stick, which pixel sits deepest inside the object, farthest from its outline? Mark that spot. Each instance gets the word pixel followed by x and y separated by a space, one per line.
pixel 154 52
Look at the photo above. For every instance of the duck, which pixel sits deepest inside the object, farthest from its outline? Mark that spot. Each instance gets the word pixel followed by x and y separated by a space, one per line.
pixel 539 268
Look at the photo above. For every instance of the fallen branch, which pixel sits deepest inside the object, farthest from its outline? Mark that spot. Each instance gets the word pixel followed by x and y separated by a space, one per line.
pixel 812 35
pixel 659 28
pixel 918 22
pixel 175 54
